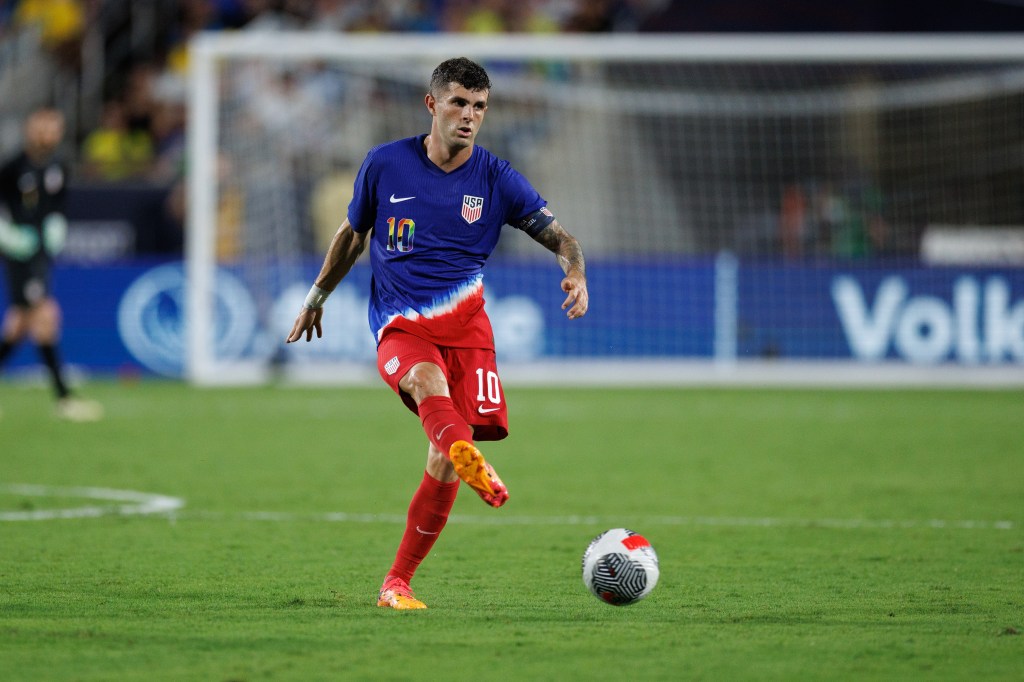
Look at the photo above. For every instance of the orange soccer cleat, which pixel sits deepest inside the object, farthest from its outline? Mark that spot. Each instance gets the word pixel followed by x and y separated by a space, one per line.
pixel 395 593
pixel 471 467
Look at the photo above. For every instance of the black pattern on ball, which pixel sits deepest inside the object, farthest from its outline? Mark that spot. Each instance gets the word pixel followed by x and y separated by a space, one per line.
pixel 618 579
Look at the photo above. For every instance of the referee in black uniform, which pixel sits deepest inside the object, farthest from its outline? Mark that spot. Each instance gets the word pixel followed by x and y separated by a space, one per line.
pixel 33 187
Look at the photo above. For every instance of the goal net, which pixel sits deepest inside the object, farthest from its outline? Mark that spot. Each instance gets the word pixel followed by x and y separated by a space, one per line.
pixel 784 204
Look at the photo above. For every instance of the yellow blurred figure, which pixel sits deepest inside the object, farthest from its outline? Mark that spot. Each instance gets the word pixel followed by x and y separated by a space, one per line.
pixel 59 20
pixel 113 151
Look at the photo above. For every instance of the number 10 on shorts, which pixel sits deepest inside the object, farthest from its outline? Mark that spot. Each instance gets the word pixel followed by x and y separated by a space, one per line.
pixel 488 380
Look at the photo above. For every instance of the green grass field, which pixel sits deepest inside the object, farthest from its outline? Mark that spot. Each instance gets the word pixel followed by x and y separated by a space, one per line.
pixel 802 535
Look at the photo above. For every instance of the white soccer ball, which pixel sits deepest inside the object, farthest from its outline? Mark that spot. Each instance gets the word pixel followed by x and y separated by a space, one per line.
pixel 620 567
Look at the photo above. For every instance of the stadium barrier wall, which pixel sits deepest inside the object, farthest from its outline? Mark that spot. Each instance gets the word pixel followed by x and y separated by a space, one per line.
pixel 703 321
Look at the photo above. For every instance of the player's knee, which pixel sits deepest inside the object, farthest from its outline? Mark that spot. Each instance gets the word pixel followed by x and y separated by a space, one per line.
pixel 423 380
pixel 15 324
pixel 45 322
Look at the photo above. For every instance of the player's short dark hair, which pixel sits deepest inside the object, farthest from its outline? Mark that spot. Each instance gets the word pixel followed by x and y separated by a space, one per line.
pixel 465 72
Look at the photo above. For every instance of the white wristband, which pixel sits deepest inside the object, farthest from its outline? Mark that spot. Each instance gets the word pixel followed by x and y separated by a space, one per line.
pixel 316 297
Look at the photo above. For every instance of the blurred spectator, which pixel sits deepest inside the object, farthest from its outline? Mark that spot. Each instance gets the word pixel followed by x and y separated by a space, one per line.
pixel 229 14
pixel 330 199
pixel 486 16
pixel 590 16
pixel 336 15
pixel 230 208
pixel 6 16
pixel 138 96
pixel 115 152
pixel 168 132
pixel 865 230
pixel 278 15
pixel 793 221
pixel 361 16
pixel 500 16
pixel 815 219
pixel 602 16
pixel 826 213
pixel 630 15
pixel 194 16
pixel 142 132
pixel 288 111
pixel 528 16
pixel 419 16
pixel 61 24
pixel 376 19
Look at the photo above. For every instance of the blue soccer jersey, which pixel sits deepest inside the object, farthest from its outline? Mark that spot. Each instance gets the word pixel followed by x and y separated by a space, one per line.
pixel 432 233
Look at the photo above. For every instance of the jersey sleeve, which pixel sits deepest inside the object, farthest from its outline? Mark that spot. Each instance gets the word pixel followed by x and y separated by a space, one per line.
pixel 362 210
pixel 518 196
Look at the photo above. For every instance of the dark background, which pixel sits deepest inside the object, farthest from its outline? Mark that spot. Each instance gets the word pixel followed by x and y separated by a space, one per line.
pixel 868 16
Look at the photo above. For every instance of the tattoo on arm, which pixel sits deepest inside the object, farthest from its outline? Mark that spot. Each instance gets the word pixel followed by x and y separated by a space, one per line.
pixel 565 247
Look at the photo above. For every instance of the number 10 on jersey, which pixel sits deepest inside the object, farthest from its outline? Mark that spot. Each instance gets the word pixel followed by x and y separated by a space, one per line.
pixel 400 236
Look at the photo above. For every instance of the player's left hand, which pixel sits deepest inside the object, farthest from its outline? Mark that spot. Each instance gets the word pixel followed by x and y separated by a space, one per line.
pixel 575 286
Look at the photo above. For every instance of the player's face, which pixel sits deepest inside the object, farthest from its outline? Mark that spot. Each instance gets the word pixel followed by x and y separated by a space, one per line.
pixel 43 132
pixel 458 114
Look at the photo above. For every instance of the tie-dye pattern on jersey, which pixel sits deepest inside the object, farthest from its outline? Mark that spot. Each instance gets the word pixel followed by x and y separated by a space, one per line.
pixel 432 234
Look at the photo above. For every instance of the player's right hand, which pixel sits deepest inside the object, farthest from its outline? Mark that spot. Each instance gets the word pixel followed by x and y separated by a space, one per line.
pixel 307 320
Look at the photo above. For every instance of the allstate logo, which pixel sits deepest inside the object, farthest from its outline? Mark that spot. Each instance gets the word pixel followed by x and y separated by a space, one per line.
pixel 151 318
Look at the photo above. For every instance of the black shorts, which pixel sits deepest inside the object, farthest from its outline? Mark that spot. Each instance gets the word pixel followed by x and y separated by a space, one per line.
pixel 28 283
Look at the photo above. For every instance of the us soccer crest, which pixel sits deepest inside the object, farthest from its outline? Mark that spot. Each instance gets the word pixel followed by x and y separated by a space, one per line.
pixel 472 208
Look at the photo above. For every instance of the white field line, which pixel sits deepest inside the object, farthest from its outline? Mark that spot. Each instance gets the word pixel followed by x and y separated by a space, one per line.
pixel 135 503
pixel 499 519
pixel 172 508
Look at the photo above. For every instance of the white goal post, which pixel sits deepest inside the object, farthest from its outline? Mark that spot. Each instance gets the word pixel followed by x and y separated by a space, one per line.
pixel 752 206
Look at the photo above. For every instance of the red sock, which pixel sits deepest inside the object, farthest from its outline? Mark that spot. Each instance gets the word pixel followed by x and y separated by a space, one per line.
pixel 442 423
pixel 428 513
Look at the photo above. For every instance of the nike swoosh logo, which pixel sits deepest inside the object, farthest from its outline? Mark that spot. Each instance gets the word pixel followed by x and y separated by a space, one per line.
pixel 398 200
pixel 487 410
pixel 425 532
pixel 437 436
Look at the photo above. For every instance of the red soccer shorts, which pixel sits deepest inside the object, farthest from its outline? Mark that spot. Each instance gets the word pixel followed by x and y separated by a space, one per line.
pixel 472 375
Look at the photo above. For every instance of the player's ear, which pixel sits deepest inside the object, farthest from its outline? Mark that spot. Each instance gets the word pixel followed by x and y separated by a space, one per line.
pixel 429 100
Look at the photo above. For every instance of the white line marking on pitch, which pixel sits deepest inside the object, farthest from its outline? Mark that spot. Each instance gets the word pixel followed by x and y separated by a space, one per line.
pixel 138 503
pixel 509 520
pixel 166 506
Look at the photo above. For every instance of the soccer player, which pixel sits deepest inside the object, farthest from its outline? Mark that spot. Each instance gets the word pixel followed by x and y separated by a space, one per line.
pixel 33 186
pixel 431 208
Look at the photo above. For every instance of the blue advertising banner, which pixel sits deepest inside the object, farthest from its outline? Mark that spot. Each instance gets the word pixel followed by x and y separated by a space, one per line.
pixel 923 315
pixel 90 298
pixel 130 317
